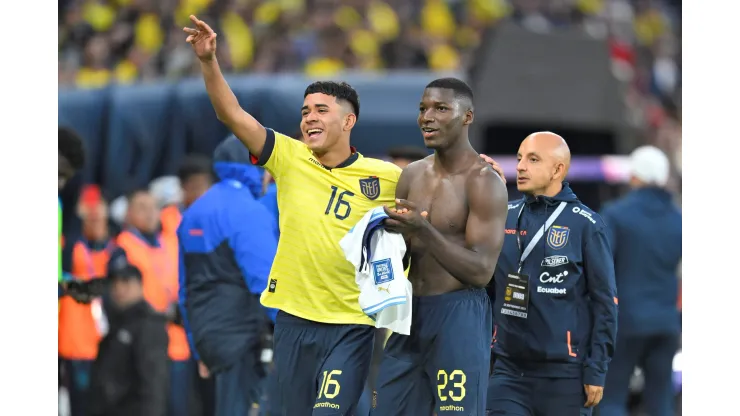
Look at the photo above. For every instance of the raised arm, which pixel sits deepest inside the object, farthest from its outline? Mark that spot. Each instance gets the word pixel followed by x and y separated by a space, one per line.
pixel 475 263
pixel 242 124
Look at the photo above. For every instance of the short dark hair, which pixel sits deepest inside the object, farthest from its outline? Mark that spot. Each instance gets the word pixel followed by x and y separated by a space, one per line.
pixel 136 191
pixel 194 164
pixel 71 147
pixel 460 88
pixel 339 90
pixel 412 153
pixel 126 273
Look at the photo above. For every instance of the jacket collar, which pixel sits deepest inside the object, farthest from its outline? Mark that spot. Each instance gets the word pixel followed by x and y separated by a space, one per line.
pixel 565 195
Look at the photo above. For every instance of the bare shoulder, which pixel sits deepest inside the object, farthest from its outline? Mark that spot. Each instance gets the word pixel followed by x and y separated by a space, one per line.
pixel 481 174
pixel 486 186
pixel 418 167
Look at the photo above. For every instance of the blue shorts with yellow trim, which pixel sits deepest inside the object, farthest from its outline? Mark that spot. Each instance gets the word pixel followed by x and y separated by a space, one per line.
pixel 443 365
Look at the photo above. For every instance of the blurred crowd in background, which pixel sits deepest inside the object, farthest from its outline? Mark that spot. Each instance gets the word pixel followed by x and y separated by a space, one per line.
pixel 107 42
pixel 127 41
pixel 124 41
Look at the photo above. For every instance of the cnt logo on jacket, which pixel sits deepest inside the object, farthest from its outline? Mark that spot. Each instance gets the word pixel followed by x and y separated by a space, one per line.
pixel 570 323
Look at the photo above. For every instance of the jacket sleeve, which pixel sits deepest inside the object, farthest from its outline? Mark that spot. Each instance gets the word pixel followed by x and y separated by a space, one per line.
pixel 182 295
pixel 254 244
pixel 269 200
pixel 611 224
pixel 602 290
pixel 152 367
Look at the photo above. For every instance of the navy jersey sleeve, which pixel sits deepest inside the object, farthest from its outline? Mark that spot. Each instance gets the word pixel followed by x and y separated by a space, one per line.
pixel 602 290
pixel 254 244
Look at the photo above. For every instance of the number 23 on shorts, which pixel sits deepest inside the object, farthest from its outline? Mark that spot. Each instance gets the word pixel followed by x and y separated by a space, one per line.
pixel 451 386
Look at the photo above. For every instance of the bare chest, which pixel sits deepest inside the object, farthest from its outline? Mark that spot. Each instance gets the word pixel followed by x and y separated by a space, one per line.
pixel 444 199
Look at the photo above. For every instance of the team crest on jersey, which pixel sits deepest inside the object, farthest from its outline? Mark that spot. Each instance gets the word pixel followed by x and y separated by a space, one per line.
pixel 370 187
pixel 557 238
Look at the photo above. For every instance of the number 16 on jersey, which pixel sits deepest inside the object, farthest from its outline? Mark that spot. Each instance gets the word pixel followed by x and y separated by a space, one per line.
pixel 340 205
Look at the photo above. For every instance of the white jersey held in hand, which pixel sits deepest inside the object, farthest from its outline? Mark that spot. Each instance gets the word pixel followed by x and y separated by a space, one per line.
pixel 377 255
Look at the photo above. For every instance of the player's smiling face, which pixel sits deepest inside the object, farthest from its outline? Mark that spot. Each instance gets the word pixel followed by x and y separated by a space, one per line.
pixel 321 122
pixel 441 117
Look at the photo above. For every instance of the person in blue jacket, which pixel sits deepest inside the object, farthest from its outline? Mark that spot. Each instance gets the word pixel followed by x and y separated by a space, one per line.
pixel 645 227
pixel 553 294
pixel 269 198
pixel 269 194
pixel 227 245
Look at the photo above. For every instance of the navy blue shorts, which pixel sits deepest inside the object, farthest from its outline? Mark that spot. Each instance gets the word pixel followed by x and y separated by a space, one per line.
pixel 443 365
pixel 321 368
pixel 513 392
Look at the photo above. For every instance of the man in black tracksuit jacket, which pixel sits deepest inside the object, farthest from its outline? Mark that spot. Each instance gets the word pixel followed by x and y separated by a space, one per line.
pixel 555 313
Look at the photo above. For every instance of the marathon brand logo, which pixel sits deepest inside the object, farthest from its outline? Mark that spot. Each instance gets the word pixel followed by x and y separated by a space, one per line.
pixel 552 290
pixel 584 214
pixel 546 278
pixel 451 408
pixel 326 405
pixel 554 261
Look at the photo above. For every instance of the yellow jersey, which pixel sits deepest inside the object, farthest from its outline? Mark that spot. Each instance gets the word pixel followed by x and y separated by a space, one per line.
pixel 310 277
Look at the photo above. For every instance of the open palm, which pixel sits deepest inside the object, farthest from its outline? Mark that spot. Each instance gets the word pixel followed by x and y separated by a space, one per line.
pixel 202 38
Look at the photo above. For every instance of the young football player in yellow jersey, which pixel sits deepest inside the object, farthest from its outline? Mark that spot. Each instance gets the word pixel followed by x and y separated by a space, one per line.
pixel 323 340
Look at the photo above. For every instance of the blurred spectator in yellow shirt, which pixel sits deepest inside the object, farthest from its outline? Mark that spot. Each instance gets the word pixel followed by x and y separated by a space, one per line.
pixel 94 72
